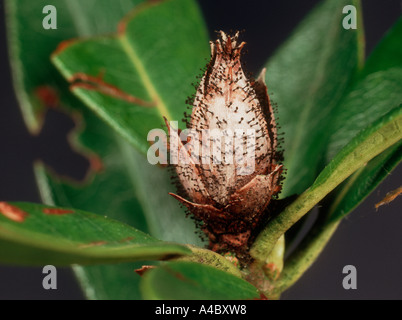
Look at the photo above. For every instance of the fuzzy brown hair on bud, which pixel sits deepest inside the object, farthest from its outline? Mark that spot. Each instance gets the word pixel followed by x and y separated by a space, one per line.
pixel 231 191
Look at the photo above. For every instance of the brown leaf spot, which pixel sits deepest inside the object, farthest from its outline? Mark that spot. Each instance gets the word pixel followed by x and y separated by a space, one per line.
pixel 92 244
pixel 88 82
pixel 128 239
pixel 57 211
pixel 96 163
pixel 47 96
pixel 390 196
pixel 143 269
pixel 12 213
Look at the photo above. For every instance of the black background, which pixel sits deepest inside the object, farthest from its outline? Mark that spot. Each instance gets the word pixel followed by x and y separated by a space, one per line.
pixel 369 240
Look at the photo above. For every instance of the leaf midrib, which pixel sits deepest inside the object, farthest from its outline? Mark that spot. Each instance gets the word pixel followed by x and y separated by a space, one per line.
pixel 83 29
pixel 142 72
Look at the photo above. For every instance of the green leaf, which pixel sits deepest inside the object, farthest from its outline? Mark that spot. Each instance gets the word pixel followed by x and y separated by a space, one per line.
pixel 37 234
pixel 388 53
pixel 30 44
pixel 376 92
pixel 165 219
pixel 112 186
pixel 369 143
pixel 120 178
pixel 194 281
pixel 97 141
pixel 308 76
pixel 155 57
pixel 370 98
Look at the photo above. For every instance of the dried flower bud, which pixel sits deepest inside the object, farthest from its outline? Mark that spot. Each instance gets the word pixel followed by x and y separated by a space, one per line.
pixel 229 178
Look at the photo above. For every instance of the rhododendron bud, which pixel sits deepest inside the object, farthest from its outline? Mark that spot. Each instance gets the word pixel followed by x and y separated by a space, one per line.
pixel 228 167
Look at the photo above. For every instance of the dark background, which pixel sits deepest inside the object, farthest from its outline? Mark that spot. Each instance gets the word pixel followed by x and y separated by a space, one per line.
pixel 369 240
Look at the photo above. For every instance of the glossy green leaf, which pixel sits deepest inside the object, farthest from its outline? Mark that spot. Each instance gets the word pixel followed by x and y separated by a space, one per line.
pixel 376 92
pixel 388 53
pixel 371 98
pixel 370 142
pixel 113 180
pixel 155 57
pixel 194 281
pixel 97 142
pixel 375 139
pixel 165 218
pixel 112 187
pixel 37 235
pixel 30 44
pixel 308 75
